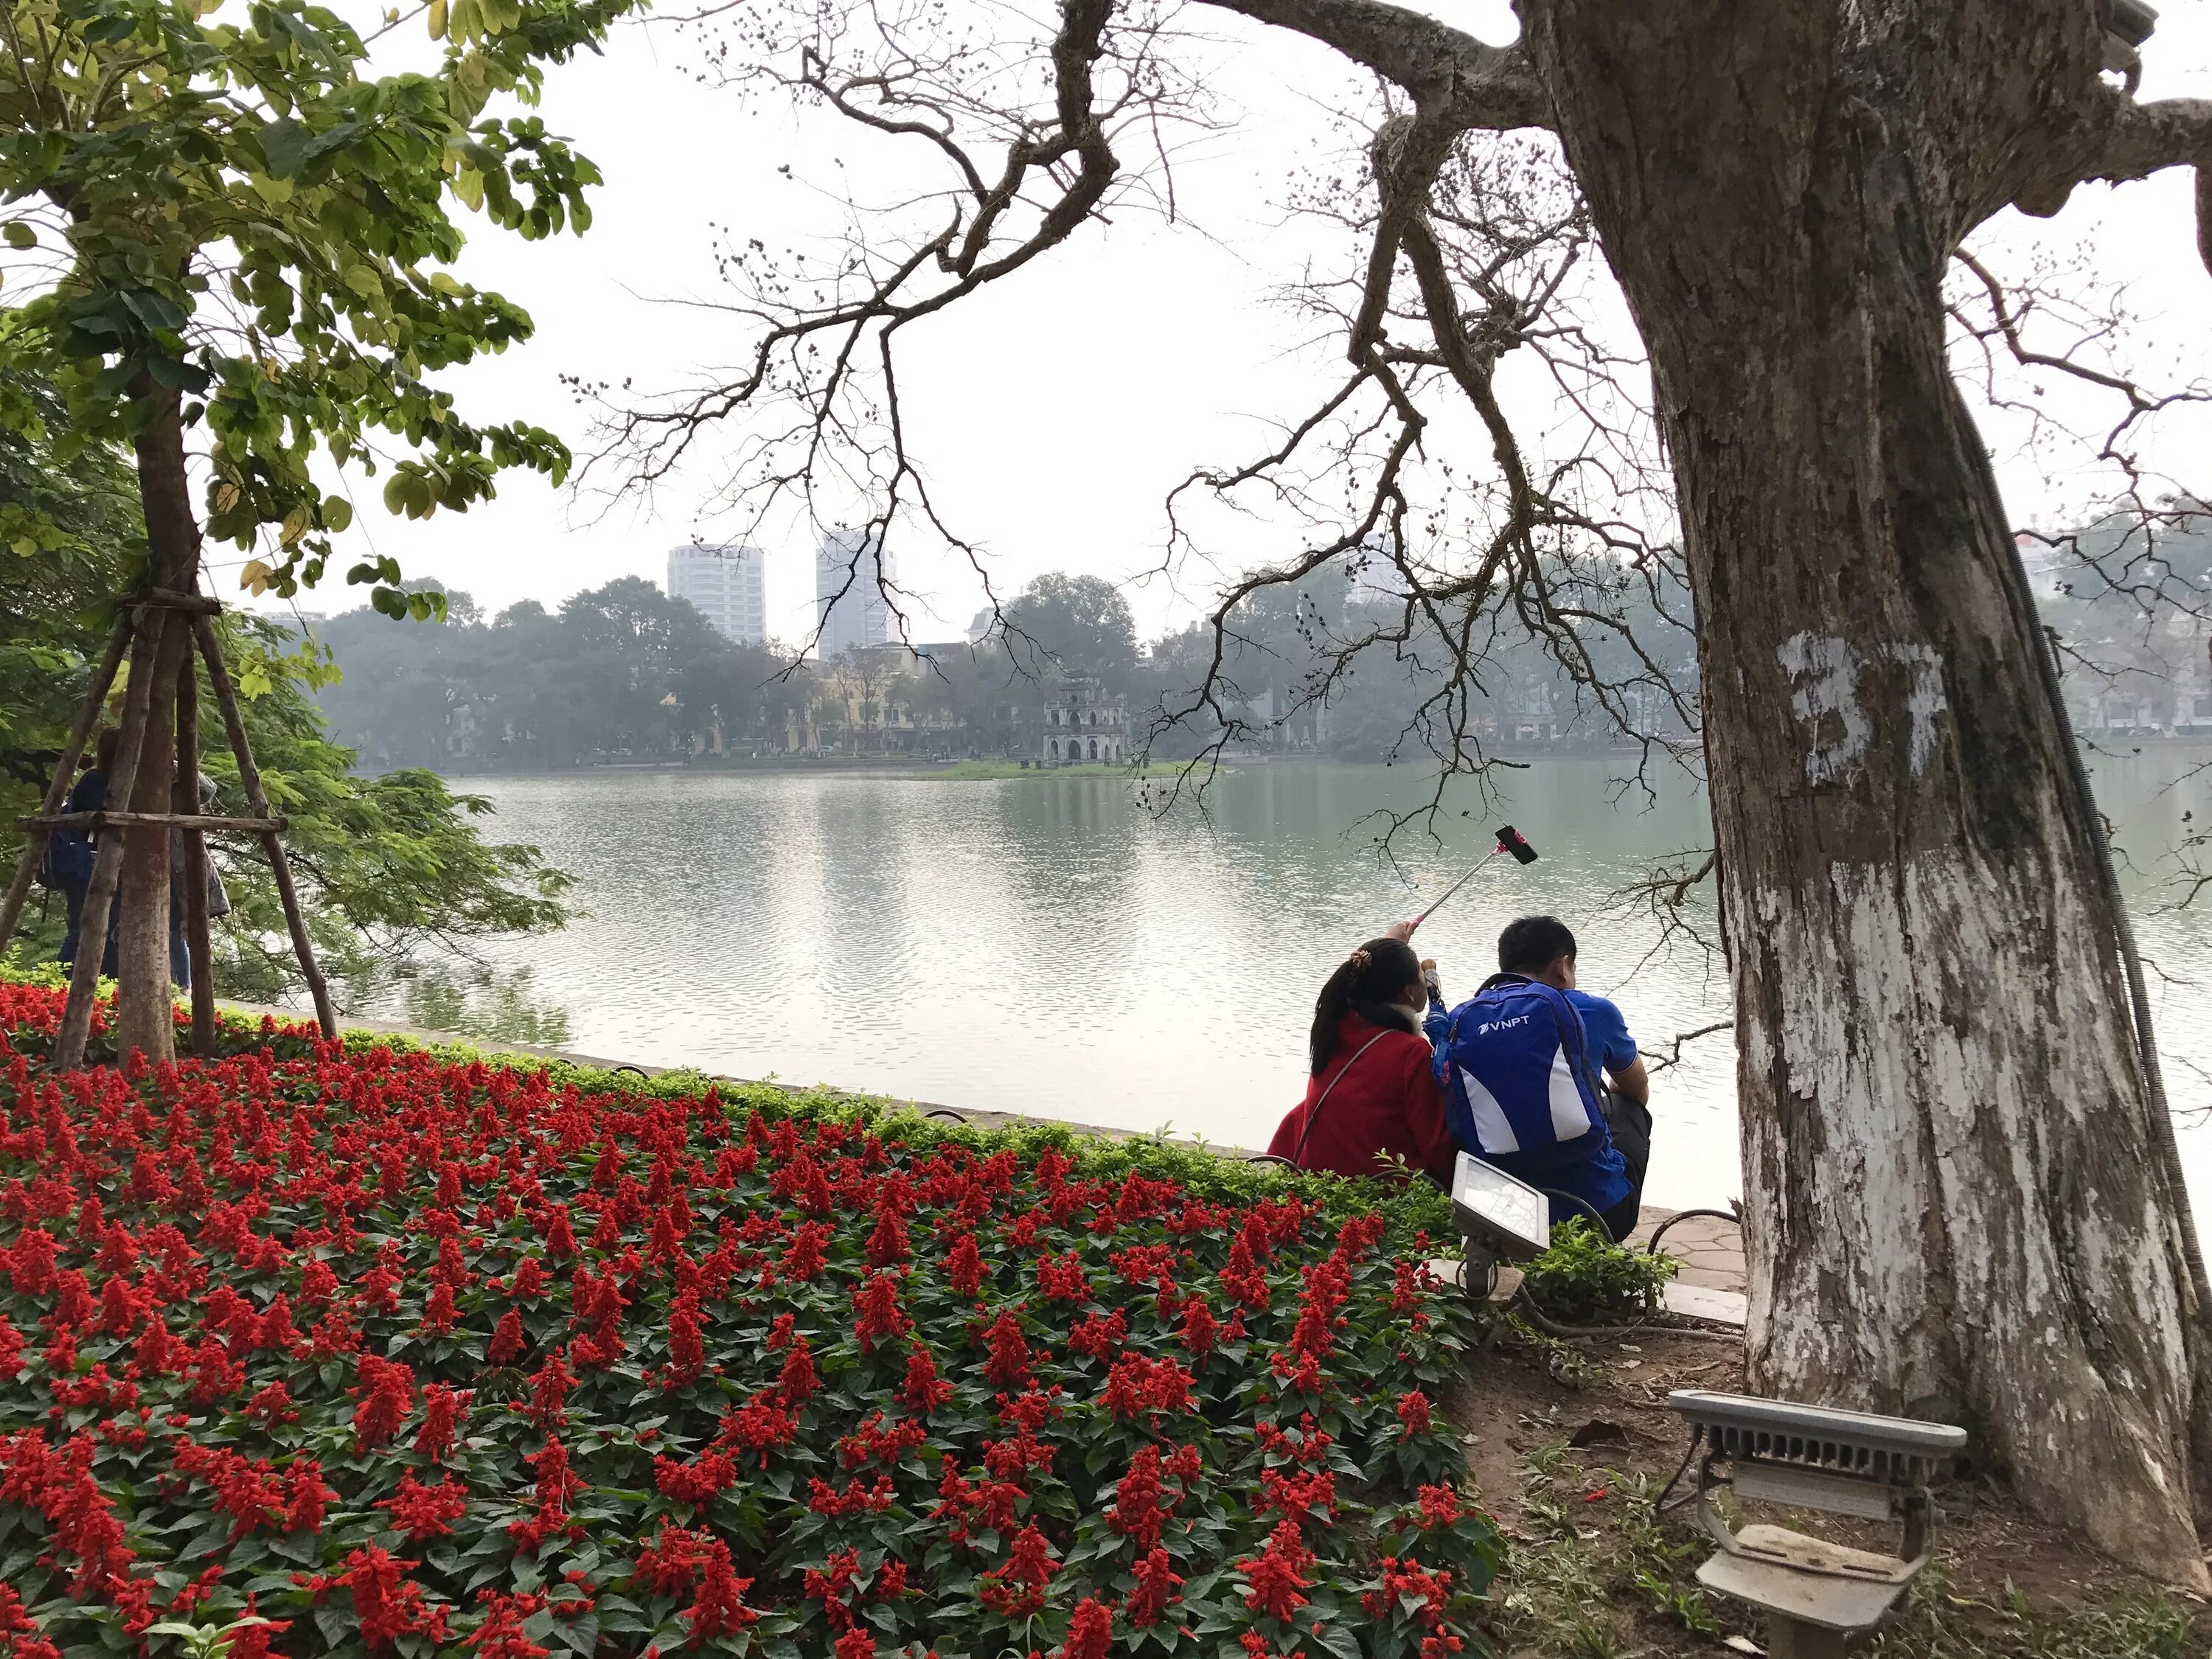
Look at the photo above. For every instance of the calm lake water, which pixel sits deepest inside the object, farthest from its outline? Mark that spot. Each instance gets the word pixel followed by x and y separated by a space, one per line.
pixel 1048 946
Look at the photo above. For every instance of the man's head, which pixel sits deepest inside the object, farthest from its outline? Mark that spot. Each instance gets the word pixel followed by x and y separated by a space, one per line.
pixel 1542 947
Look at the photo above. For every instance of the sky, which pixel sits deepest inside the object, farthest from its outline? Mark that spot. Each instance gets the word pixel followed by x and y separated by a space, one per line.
pixel 1054 414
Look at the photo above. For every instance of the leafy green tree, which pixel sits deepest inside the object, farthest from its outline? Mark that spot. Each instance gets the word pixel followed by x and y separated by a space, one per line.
pixel 386 865
pixel 238 233
pixel 1076 624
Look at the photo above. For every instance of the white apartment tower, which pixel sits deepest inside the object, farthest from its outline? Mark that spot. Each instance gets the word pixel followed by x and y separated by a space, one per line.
pixel 848 596
pixel 729 586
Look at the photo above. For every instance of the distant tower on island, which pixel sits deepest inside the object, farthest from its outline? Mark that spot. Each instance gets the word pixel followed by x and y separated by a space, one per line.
pixel 1084 723
pixel 729 587
pixel 849 608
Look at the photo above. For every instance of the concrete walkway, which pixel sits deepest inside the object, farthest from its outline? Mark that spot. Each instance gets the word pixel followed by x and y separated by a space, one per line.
pixel 1712 1280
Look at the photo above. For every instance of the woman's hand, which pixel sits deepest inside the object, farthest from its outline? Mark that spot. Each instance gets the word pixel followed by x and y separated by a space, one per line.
pixel 1400 931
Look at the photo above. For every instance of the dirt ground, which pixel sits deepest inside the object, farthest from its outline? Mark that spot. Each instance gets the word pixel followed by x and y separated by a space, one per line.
pixel 1572 1443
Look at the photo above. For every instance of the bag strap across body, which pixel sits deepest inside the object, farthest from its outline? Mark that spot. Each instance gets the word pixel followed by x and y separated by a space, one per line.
pixel 1313 1116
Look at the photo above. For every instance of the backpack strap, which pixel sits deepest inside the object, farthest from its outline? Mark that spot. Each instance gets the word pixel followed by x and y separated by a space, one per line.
pixel 1313 1116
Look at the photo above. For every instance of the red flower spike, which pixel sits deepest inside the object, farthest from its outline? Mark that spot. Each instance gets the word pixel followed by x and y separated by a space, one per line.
pixel 1090 1630
pixel 719 1606
pixel 1413 1411
pixel 924 1390
pixel 1008 1365
pixel 964 1267
pixel 881 1318
pixel 1276 1577
pixel 1155 1590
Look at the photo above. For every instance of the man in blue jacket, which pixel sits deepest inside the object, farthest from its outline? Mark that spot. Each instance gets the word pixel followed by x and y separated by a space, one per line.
pixel 1543 1080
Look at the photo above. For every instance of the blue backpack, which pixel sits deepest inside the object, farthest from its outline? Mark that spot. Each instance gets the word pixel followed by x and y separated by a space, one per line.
pixel 1514 1069
pixel 68 860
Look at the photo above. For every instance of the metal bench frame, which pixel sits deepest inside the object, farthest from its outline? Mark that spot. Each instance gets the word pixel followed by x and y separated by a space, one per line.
pixel 1816 1596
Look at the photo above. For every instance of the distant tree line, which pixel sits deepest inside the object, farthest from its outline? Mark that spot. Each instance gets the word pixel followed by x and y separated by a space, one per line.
pixel 2130 596
pixel 623 671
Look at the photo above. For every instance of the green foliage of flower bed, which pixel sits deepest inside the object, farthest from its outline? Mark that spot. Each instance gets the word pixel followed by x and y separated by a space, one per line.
pixel 409 1352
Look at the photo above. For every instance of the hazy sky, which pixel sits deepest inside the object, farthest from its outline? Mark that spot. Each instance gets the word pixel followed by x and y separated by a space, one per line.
pixel 1054 413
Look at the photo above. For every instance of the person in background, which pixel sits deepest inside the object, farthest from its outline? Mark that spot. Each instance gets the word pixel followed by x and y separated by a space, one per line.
pixel 1543 1079
pixel 180 955
pixel 1371 1091
pixel 69 861
pixel 69 853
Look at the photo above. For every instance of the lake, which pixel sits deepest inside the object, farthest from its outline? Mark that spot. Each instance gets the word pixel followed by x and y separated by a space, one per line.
pixel 1048 946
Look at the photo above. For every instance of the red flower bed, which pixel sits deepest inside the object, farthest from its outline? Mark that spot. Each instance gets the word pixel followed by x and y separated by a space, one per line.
pixel 399 1355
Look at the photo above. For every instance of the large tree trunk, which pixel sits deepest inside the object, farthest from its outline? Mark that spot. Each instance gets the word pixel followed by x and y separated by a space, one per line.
pixel 1946 1142
pixel 144 1016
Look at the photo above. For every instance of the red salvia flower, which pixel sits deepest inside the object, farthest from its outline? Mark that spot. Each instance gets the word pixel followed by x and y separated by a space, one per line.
pixel 670 1565
pixel 1200 1328
pixel 441 1412
pixel 388 1605
pixel 306 1497
pixel 832 1585
pixel 1008 1365
pixel 924 1390
pixel 805 1258
pixel 1276 1577
pixel 1090 1630
pixel 1440 1506
pixel 1137 1511
pixel 887 1244
pixel 881 1318
pixel 686 1354
pixel 798 1381
pixel 384 1394
pixel 1155 1590
pixel 273 1405
pixel 696 1482
pixel 508 1341
pixel 718 1608
pixel 422 1511
pixel 501 1635
pixel 1413 1411
pixel 1016 1587
pixel 963 1266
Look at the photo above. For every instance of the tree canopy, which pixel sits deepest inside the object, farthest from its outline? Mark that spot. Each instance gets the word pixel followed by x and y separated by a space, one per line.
pixel 387 865
pixel 231 212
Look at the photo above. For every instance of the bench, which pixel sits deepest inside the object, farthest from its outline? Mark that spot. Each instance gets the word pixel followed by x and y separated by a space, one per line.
pixel 1816 1594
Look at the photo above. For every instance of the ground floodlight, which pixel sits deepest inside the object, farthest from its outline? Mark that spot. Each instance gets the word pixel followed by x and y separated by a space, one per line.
pixel 1499 1216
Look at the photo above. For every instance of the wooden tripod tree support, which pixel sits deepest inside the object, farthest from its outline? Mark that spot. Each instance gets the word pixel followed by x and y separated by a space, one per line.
pixel 139 630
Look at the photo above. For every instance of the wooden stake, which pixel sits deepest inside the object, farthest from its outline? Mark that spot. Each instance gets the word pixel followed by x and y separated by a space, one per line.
pixel 107 867
pixel 88 716
pixel 185 797
pixel 257 803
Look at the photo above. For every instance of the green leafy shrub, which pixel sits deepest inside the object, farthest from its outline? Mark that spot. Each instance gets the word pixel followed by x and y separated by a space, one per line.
pixel 1586 1280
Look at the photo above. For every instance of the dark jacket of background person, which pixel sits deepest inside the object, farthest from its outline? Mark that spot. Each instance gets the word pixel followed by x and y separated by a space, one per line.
pixel 1387 1101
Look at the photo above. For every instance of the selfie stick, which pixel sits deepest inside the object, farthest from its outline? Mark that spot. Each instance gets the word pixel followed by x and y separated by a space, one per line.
pixel 1509 840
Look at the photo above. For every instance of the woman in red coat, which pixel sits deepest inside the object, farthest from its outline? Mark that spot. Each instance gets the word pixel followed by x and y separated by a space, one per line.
pixel 1372 1094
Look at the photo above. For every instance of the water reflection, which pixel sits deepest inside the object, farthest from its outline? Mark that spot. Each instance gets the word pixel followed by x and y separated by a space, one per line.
pixel 502 1005
pixel 1046 946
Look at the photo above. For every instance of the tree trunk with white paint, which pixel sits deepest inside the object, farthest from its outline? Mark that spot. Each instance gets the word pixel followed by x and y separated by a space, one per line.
pixel 1946 1142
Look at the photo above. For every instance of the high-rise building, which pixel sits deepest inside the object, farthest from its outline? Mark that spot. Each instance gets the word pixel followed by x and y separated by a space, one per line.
pixel 729 586
pixel 849 606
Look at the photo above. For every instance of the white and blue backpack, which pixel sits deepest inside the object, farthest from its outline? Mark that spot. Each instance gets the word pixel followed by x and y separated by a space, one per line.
pixel 1518 1086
